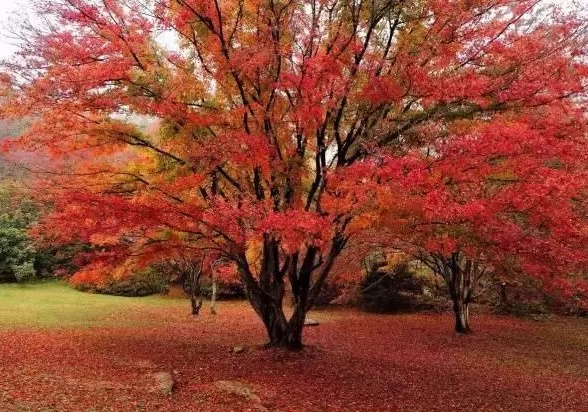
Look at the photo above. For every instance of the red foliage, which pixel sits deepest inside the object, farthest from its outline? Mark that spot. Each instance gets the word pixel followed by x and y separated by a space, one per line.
pixel 510 194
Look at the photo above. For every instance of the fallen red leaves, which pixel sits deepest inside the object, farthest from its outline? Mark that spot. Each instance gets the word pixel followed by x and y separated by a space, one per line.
pixel 356 362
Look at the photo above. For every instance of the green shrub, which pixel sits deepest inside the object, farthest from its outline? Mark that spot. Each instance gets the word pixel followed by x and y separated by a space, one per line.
pixel 17 254
pixel 389 291
pixel 24 272
pixel 140 283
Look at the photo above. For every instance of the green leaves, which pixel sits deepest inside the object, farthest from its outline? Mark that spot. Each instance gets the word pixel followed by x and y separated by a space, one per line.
pixel 17 252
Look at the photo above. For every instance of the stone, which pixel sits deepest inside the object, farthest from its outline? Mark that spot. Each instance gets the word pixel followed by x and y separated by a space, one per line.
pixel 240 389
pixel 164 382
pixel 311 322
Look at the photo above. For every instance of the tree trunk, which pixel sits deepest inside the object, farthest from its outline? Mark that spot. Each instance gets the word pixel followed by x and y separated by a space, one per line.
pixel 462 275
pixel 460 272
pixel 196 305
pixel 266 291
pixel 213 297
pixel 461 311
pixel 503 296
pixel 283 333
pixel 195 298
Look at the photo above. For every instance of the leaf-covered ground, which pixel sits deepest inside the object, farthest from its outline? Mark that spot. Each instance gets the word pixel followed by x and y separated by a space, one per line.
pixel 62 350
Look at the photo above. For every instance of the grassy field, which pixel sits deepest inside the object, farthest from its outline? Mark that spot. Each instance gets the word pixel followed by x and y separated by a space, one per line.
pixel 63 350
pixel 54 304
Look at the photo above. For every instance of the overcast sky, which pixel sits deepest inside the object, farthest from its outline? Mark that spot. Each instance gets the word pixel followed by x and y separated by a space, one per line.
pixel 8 8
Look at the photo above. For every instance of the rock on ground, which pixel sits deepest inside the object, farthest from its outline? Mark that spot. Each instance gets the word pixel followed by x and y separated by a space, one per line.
pixel 164 382
pixel 242 390
pixel 238 349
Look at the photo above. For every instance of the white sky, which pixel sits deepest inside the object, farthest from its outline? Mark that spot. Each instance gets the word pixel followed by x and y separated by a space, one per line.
pixel 8 9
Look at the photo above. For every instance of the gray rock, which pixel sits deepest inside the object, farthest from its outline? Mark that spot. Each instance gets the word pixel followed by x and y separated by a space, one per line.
pixel 240 389
pixel 238 349
pixel 164 382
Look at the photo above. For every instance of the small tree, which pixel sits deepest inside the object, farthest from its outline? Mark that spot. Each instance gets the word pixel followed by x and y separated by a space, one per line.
pixel 187 271
pixel 462 276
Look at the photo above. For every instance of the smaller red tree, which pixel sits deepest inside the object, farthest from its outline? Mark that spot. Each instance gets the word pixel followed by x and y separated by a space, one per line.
pixel 506 198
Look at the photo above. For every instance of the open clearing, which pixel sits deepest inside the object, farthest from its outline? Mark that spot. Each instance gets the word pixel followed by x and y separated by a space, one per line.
pixel 63 350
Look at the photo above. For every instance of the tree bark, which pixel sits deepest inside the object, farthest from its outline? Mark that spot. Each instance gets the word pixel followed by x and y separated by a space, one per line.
pixel 462 272
pixel 460 275
pixel 503 295
pixel 306 271
pixel 191 273
pixel 196 305
pixel 213 297
pixel 461 311
pixel 195 298
pixel 281 332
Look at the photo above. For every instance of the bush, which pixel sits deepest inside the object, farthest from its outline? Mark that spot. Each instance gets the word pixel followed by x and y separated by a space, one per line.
pixel 524 300
pixel 140 283
pixel 389 291
pixel 400 287
pixel 535 310
pixel 329 293
pixel 24 272
pixel 22 260
pixel 16 251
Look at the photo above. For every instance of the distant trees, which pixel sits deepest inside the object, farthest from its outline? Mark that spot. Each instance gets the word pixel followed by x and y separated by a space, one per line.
pixel 187 272
pixel 24 254
pixel 17 254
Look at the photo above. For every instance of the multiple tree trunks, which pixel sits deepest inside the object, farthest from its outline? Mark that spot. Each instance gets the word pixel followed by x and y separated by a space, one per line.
pixel 305 271
pixel 283 333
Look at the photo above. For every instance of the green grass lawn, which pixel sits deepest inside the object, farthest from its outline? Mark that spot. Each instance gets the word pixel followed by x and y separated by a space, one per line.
pixel 55 304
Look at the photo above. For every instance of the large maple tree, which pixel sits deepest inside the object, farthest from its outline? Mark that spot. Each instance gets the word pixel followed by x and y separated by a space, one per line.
pixel 226 126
